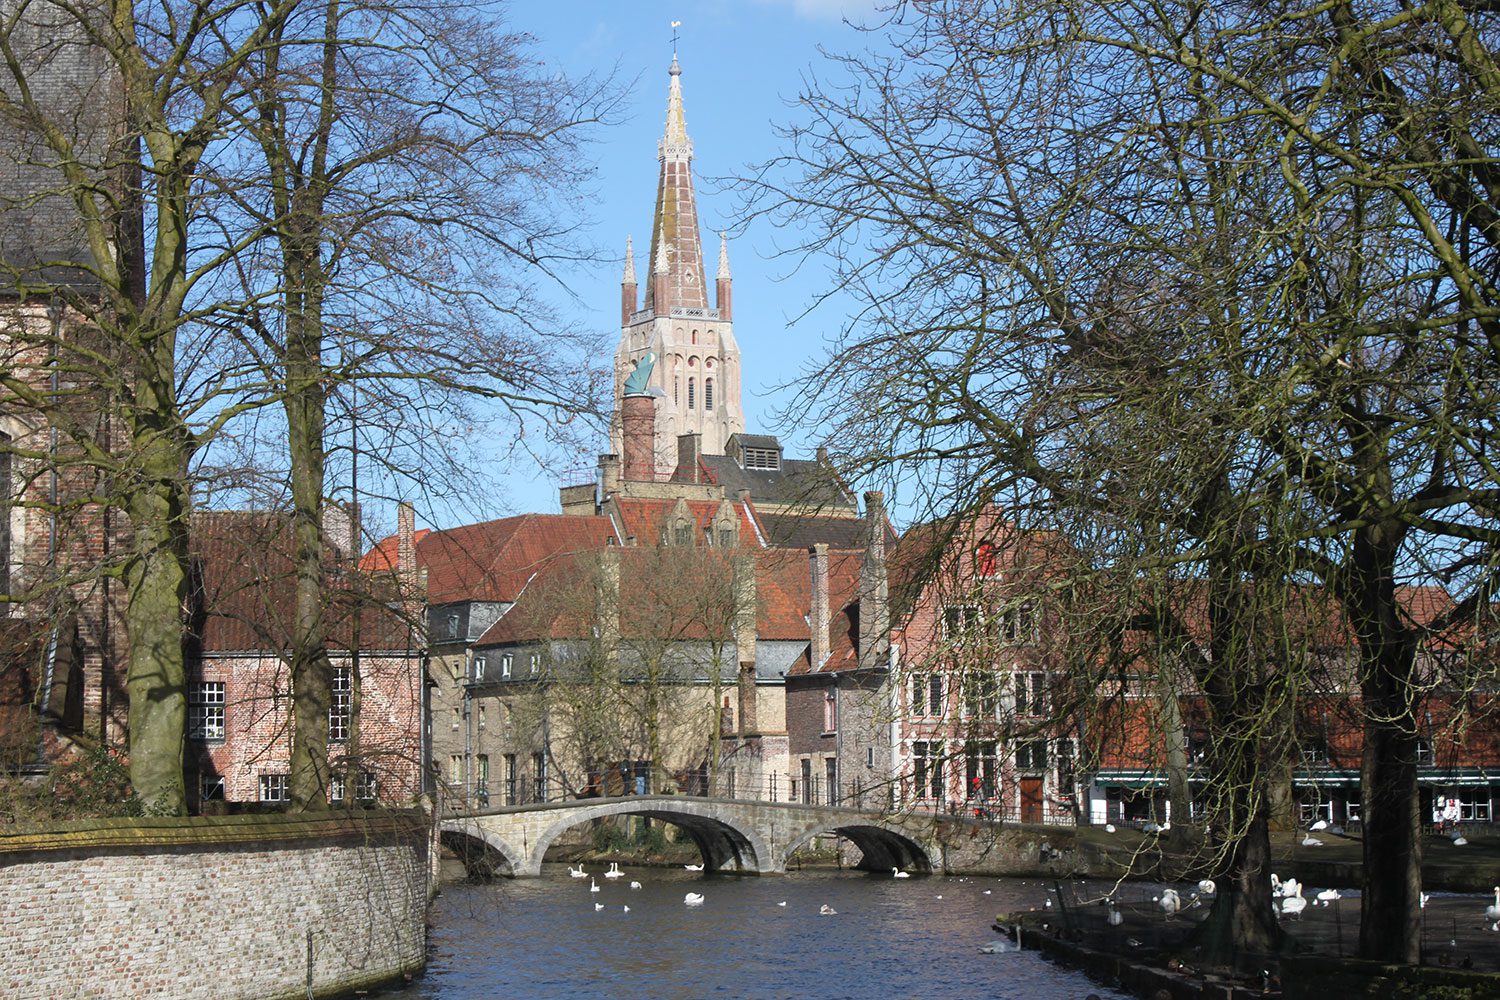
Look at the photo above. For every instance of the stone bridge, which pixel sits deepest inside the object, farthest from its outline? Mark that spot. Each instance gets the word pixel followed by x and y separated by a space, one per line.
pixel 731 834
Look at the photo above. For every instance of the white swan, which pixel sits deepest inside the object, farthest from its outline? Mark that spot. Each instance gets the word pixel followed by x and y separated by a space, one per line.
pixel 1422 902
pixel 1460 841
pixel 635 885
pixel 598 907
pixel 614 870
pixel 1151 826
pixel 1321 824
pixel 1169 901
pixel 827 910
pixel 1003 946
pixel 782 903
pixel 1109 828
pixel 625 908
pixel 1492 912
pixel 593 886
pixel 1293 904
pixel 1115 918
pixel 1206 887
pixel 1328 896
pixel 693 899
pixel 577 872
pixel 693 868
pixel 898 873
pixel 1311 841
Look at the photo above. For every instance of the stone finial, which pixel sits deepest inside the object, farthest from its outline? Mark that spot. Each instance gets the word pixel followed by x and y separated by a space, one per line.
pixel 723 274
pixel 662 265
pixel 629 278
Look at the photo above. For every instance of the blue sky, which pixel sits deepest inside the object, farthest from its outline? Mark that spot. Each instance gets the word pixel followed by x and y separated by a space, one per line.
pixel 742 62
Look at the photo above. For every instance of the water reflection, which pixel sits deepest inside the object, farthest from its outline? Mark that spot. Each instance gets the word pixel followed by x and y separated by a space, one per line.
pixel 543 938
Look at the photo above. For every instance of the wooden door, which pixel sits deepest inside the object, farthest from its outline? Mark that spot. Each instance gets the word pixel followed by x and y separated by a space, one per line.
pixel 1031 800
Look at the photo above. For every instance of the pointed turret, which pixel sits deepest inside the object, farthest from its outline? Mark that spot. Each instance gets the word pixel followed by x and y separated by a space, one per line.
pixel 628 298
pixel 722 293
pixel 677 212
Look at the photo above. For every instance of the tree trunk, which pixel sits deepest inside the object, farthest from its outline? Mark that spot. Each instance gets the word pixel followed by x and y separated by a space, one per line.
pixel 1390 910
pixel 312 671
pixel 1174 738
pixel 156 587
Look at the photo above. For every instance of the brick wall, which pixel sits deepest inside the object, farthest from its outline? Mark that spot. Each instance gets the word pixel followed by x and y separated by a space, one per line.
pixel 215 908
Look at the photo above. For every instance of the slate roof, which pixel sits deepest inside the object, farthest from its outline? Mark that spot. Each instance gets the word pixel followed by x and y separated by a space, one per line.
pixel 799 481
pixel 245 593
pixel 76 90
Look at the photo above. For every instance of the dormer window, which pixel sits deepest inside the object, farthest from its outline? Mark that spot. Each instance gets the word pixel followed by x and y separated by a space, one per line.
pixel 507 660
pixel 768 459
pixel 479 665
pixel 453 626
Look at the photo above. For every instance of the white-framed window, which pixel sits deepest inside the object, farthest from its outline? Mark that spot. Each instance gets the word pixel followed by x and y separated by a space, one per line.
pixel 981 694
pixel 768 459
pixel 453 626
pixel 1031 755
pixel 927 769
pixel 1020 623
pixel 341 708
pixel 981 769
pixel 455 769
pixel 479 664
pixel 275 787
pixel 927 695
pixel 961 620
pixel 1425 757
pixel 507 660
pixel 205 705
pixel 830 712
pixel 1031 694
pixel 1474 804
pixel 365 788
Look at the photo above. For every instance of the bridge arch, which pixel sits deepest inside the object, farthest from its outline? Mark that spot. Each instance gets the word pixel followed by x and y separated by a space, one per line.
pixel 722 843
pixel 484 855
pixel 883 846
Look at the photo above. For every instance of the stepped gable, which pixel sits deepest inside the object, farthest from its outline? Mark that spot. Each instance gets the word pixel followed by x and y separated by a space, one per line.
pixel 245 589
pixel 492 560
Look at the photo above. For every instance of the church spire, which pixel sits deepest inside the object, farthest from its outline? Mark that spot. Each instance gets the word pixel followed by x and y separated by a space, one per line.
pixel 675 232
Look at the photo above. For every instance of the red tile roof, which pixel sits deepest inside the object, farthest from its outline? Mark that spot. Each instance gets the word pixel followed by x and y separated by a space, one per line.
pixel 245 589
pixel 493 560
pixel 644 519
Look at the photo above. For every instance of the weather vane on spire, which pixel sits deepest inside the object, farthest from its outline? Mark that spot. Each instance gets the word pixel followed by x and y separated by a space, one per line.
pixel 675 26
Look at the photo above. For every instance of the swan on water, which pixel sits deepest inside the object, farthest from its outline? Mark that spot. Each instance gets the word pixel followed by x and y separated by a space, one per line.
pixel 693 868
pixel 1422 903
pixel 625 908
pixel 593 886
pixel 1321 824
pixel 1328 896
pixel 1169 901
pixel 614 870
pixel 1115 917
pixel 577 872
pixel 827 910
pixel 1492 912
pixel 693 899
pixel 1206 887
pixel 986 892
pixel 635 885
pixel 898 873
pixel 598 907
pixel 1293 904
pixel 1151 826
pixel 1311 841
pixel 1003 946
pixel 782 903
pixel 1460 841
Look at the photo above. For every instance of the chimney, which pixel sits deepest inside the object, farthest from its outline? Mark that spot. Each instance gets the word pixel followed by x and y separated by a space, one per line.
pixel 689 451
pixel 746 621
pixel 406 546
pixel 723 296
pixel 609 476
pixel 638 434
pixel 607 604
pixel 874 589
pixel 822 454
pixel 817 617
pixel 340 533
pixel 627 286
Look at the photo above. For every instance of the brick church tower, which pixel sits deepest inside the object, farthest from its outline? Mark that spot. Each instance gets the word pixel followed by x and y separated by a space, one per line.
pixel 696 380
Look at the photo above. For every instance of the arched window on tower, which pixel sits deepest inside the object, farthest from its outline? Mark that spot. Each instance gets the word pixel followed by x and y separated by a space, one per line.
pixel 708 394
pixel 692 384
pixel 695 336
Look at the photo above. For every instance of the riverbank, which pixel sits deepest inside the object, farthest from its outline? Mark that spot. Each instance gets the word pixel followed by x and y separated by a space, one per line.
pixel 1146 951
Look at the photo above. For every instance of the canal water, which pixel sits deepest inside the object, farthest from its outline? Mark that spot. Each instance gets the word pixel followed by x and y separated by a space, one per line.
pixel 910 938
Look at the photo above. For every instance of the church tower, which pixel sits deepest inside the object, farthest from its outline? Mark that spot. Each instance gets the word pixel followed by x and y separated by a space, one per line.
pixel 697 369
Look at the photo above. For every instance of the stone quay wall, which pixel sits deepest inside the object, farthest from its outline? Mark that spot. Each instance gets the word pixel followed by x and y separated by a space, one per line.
pixel 254 907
